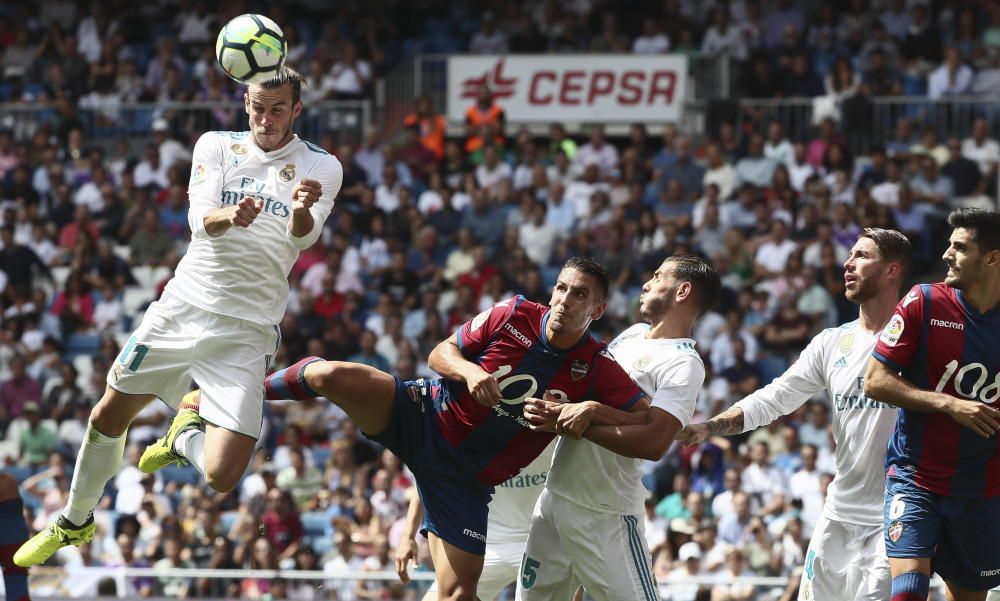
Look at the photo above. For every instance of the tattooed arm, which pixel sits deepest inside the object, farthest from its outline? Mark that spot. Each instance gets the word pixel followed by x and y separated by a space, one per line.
pixel 727 423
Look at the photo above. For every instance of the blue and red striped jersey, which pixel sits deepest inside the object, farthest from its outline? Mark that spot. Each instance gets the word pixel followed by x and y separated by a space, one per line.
pixel 509 342
pixel 940 342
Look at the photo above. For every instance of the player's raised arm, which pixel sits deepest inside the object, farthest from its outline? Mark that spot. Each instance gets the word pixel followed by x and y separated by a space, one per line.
pixel 207 217
pixel 447 359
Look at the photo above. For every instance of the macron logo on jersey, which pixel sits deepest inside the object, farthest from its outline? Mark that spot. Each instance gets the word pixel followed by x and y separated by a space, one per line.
pixel 517 334
pixel 951 325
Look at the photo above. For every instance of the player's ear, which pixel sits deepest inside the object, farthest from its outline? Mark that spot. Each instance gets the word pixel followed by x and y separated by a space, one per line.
pixel 599 310
pixel 297 109
pixel 246 101
pixel 684 291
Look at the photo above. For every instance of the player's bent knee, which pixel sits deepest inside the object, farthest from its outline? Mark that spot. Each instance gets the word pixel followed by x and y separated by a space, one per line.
pixel 222 480
pixel 8 487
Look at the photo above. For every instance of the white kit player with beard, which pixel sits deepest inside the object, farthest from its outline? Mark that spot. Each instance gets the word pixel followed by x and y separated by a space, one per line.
pixel 506 531
pixel 846 558
pixel 257 200
pixel 588 525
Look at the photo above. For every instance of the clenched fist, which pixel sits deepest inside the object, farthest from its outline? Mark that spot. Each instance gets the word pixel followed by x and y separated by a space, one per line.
pixel 305 194
pixel 245 211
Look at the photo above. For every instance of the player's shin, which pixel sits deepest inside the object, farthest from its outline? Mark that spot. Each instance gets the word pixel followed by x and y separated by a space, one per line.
pixel 98 462
pixel 13 533
pixel 911 586
pixel 290 383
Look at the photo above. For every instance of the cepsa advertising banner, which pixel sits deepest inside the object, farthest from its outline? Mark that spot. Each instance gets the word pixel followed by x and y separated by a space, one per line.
pixel 609 88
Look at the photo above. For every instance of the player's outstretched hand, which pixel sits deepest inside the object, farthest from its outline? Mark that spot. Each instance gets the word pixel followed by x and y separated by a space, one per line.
pixel 306 193
pixel 542 414
pixel 981 418
pixel 245 211
pixel 693 434
pixel 406 552
pixel 483 387
pixel 574 418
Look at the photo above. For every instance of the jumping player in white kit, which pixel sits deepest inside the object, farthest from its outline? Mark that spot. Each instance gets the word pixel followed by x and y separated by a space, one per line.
pixel 258 198
pixel 506 533
pixel 588 525
pixel 846 558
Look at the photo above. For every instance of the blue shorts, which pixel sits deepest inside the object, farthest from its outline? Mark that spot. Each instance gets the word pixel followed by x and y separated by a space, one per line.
pixel 455 502
pixel 962 536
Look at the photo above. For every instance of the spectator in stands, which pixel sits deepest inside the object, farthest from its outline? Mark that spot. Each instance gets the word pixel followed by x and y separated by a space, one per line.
pixel 598 151
pixel 37 440
pixel 430 126
pixel 963 172
pixel 734 527
pixel 677 585
pixel 485 122
pixel 652 40
pixel 982 149
pixel 610 39
pixel 350 75
pixel 952 78
pixel 489 39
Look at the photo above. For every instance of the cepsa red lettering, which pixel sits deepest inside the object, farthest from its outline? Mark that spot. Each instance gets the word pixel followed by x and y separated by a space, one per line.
pixel 575 87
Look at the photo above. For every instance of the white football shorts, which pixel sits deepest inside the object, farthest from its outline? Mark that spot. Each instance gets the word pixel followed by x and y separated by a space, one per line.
pixel 845 561
pixel 571 545
pixel 227 357
pixel 501 565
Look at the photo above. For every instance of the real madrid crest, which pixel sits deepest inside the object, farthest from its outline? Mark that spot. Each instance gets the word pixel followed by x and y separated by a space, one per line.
pixel 287 173
pixel 847 343
pixel 641 363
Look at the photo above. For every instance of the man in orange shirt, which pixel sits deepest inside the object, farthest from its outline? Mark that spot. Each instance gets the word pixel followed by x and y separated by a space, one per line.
pixel 429 125
pixel 484 122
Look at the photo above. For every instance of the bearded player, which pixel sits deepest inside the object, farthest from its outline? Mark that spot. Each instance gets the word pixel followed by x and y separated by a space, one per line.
pixel 938 360
pixel 258 198
pixel 846 555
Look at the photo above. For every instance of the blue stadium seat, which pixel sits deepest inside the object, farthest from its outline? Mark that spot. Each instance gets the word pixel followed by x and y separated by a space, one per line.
pixel 226 521
pixel 180 475
pixel 19 472
pixel 313 522
pixel 322 545
pixel 770 368
pixel 321 454
pixel 81 344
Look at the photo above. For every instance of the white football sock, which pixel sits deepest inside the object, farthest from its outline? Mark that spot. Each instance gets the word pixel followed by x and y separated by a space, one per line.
pixel 190 444
pixel 98 461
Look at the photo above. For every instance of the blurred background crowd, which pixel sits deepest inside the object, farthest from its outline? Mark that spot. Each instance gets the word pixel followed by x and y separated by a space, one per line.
pixel 438 222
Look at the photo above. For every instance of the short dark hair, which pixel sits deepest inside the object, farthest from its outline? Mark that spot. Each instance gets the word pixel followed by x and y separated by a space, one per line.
pixel 985 226
pixel 894 246
pixel 289 76
pixel 593 268
pixel 704 279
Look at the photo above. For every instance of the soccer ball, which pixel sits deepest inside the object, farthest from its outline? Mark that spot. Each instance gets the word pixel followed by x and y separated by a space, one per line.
pixel 251 48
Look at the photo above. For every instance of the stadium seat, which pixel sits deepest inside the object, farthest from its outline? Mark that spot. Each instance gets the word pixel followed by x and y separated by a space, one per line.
pixel 226 520
pixel 19 472
pixel 81 344
pixel 321 454
pixel 770 368
pixel 180 475
pixel 314 522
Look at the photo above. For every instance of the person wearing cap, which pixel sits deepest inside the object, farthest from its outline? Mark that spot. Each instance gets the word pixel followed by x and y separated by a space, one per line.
pixel 37 440
pixel 171 151
pixel 678 585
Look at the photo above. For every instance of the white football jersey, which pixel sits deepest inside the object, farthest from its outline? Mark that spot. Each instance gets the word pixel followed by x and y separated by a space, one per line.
pixel 244 272
pixel 514 501
pixel 835 361
pixel 671 372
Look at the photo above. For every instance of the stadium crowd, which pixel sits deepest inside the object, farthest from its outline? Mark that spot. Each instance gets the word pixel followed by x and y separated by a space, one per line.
pixel 428 231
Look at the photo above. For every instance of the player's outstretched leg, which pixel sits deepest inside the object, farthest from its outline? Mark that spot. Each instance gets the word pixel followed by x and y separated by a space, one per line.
pixel 97 462
pixel 13 533
pixel 365 393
